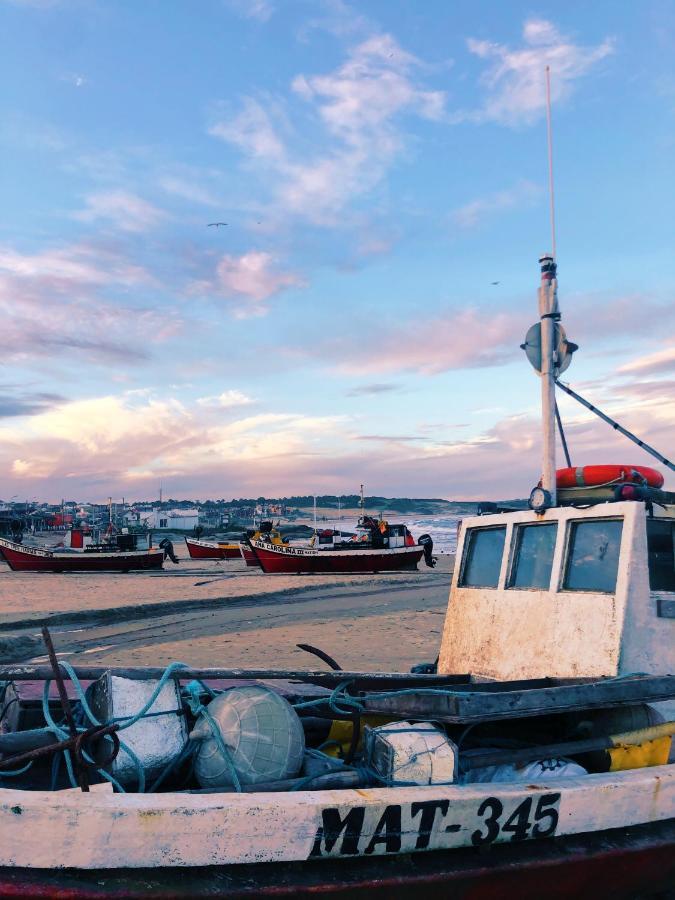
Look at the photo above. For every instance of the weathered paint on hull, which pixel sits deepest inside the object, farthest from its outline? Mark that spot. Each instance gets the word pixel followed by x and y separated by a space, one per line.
pixel 249 557
pixel 209 550
pixel 42 829
pixel 276 560
pixel 30 559
pixel 619 863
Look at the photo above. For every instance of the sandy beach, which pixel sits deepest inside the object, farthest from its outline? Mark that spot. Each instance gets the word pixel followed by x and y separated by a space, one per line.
pixel 210 613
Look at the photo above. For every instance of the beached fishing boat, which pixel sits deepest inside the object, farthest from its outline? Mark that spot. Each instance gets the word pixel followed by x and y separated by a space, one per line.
pixel 85 553
pixel 212 549
pixel 377 546
pixel 265 532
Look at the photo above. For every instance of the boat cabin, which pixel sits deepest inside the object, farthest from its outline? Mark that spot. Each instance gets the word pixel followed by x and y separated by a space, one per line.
pixel 568 592
pixel 92 540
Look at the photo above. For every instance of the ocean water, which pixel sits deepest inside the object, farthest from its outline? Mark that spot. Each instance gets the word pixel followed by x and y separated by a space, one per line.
pixel 443 529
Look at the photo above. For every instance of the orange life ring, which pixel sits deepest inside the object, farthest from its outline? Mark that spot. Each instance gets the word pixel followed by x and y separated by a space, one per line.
pixel 598 476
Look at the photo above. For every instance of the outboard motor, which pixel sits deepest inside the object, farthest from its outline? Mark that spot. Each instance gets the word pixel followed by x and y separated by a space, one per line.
pixel 426 541
pixel 167 547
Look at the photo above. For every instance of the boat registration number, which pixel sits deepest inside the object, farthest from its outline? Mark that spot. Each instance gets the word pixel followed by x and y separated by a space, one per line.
pixel 435 824
pixel 31 551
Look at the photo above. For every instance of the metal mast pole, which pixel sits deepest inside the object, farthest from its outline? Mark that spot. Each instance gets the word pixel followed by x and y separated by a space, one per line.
pixel 548 313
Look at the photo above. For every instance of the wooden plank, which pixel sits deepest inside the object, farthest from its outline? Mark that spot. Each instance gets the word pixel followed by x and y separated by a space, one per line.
pixel 362 680
pixel 464 706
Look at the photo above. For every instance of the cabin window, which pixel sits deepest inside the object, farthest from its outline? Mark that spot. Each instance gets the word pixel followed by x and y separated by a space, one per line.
pixel 533 556
pixel 660 547
pixel 593 555
pixel 483 557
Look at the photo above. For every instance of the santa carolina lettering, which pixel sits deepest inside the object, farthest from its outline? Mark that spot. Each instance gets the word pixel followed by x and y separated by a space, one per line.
pixel 433 824
pixel 284 550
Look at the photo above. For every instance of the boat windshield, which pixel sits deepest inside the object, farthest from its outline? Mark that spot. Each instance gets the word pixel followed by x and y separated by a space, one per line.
pixel 661 556
pixel 593 555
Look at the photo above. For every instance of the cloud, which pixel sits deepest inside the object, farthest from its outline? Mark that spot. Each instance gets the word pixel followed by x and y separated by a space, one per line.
pixel 68 266
pixel 254 132
pixel 15 402
pixel 187 190
pixel 55 304
pixel 260 10
pixel 475 212
pixel 514 80
pixel 389 438
pixel 126 442
pixel 124 210
pixel 74 79
pixel 226 400
pixel 375 388
pixel 660 361
pixel 356 109
pixel 337 18
pixel 468 338
pixel 249 280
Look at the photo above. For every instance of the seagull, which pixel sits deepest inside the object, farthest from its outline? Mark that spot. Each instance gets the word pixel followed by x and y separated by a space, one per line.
pixel 216 224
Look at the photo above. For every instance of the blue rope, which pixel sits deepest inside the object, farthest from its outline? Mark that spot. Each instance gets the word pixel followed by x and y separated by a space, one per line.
pixel 10 773
pixel 127 721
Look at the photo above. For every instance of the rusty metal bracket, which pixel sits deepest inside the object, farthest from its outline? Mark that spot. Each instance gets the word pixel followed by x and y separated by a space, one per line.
pixel 72 743
pixel 80 770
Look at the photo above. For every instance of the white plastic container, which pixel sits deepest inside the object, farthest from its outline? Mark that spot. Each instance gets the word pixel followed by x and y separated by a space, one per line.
pixel 406 754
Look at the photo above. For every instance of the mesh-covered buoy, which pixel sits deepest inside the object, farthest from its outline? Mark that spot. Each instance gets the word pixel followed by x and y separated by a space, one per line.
pixel 263 735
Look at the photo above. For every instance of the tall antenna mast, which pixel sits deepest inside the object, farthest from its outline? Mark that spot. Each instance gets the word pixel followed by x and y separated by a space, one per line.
pixel 549 315
pixel 549 134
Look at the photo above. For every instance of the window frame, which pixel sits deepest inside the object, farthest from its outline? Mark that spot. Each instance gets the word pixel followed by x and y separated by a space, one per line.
pixel 514 553
pixel 668 521
pixel 466 548
pixel 571 524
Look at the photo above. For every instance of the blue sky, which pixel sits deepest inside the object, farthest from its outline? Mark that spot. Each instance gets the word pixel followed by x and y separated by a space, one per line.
pixel 378 166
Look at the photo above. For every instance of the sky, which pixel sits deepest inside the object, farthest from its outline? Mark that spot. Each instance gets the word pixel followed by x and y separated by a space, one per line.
pixel 378 166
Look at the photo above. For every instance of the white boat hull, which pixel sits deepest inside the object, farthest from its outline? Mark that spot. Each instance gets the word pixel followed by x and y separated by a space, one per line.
pixel 53 830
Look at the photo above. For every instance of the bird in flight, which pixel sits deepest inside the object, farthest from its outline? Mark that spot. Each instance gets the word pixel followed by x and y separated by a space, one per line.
pixel 216 224
pixel 494 282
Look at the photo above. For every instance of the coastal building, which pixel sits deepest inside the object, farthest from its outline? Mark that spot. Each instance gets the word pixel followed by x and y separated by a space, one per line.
pixel 171 519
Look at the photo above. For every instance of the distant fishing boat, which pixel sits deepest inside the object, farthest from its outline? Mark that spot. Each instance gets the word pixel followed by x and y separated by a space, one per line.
pixel 264 531
pixel 212 549
pixel 377 546
pixel 86 552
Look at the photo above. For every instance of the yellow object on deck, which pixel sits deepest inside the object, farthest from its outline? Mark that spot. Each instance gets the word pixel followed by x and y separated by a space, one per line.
pixel 342 730
pixel 639 756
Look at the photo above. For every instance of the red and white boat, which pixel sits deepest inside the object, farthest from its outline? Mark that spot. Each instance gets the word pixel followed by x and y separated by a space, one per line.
pixel 377 547
pixel 83 555
pixel 212 549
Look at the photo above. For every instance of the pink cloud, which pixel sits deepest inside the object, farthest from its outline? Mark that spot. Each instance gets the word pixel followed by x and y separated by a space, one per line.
pixel 248 281
pixel 468 338
pixel 53 305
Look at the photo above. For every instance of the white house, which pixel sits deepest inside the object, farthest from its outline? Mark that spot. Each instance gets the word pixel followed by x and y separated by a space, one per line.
pixel 172 519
